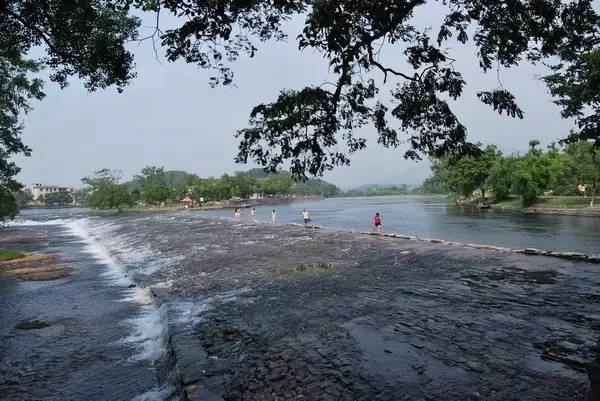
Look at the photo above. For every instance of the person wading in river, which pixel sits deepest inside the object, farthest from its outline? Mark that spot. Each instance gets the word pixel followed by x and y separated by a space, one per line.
pixel 377 223
pixel 253 214
pixel 273 216
pixel 306 217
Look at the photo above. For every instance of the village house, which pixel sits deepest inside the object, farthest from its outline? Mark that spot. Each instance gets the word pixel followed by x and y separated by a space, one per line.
pixel 39 190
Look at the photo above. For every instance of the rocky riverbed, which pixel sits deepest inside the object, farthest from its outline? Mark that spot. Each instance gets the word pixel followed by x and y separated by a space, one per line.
pixel 260 312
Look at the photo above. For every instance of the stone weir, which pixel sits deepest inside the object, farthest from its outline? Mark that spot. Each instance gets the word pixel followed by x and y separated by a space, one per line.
pixel 260 312
pixel 593 258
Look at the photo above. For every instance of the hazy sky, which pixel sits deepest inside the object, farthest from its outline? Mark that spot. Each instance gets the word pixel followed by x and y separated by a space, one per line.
pixel 170 117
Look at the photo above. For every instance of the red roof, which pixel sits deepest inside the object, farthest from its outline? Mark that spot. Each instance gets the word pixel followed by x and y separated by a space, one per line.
pixel 187 199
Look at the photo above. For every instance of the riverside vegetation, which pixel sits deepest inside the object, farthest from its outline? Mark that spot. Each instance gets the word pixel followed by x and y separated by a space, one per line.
pixel 521 179
pixel 156 187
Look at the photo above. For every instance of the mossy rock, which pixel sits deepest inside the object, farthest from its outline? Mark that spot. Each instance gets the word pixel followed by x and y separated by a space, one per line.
pixel 10 254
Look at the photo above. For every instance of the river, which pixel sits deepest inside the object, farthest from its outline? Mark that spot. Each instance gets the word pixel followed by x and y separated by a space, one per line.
pixel 435 218
pixel 108 339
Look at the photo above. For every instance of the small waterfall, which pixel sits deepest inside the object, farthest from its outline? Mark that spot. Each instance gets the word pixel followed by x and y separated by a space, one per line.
pixel 150 331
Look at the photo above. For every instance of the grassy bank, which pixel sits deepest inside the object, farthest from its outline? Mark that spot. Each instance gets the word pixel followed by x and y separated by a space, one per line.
pixel 548 202
pixel 10 254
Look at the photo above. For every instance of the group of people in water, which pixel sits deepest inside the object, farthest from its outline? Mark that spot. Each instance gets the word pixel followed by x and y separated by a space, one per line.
pixel 237 214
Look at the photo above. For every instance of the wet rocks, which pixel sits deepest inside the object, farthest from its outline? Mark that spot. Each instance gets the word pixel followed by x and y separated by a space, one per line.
pixel 433 240
pixel 569 255
pixel 576 256
pixel 22 239
pixel 532 251
pixel 487 247
pixel 251 368
pixel 35 267
pixel 32 325
pixel 473 366
pixel 41 273
pixel 431 332
pixel 557 354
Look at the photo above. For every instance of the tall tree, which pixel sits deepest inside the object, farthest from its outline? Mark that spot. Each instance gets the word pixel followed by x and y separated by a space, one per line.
pixel 154 186
pixel 500 179
pixel 105 192
pixel 534 173
pixel 584 163
pixel 315 128
pixel 80 38
pixel 9 207
pixel 58 198
pixel 576 85
pixel 466 173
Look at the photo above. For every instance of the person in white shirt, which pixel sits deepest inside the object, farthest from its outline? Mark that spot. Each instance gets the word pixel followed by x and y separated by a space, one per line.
pixel 253 214
pixel 273 216
pixel 306 217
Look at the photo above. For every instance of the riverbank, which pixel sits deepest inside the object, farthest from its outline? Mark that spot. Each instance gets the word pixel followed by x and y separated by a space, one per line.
pixel 548 210
pixel 552 205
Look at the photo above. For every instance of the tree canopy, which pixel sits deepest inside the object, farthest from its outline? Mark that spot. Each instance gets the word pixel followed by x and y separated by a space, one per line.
pixel 154 185
pixel 466 173
pixel 314 129
pixel 58 198
pixel 105 192
pixel 555 171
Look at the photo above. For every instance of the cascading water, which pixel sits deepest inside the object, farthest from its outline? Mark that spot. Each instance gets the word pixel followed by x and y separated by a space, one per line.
pixel 150 334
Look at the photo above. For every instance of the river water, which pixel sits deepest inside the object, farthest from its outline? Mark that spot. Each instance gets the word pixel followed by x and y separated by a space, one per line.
pixel 107 338
pixel 434 218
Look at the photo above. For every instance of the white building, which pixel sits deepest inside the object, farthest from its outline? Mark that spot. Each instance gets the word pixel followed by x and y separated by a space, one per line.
pixel 39 190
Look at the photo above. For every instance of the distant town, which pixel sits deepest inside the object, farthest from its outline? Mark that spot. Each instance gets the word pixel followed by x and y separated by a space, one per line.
pixel 48 195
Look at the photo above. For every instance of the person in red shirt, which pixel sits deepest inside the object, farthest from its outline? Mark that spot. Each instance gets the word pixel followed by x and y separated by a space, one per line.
pixel 377 222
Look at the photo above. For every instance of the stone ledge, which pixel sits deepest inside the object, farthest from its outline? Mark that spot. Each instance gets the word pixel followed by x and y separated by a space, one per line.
pixel 575 256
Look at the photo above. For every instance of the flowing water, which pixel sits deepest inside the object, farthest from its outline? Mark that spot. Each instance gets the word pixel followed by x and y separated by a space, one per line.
pixel 105 338
pixel 108 336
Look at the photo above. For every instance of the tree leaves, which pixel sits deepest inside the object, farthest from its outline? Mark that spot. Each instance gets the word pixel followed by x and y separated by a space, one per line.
pixel 312 130
pixel 502 101
pixel 81 38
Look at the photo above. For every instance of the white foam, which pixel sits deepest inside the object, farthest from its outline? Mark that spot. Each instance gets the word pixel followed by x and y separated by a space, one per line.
pixel 149 333
pixel 100 253
pixel 26 222
pixel 138 295
pixel 159 264
pixel 154 394
pixel 149 326
pixel 190 312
